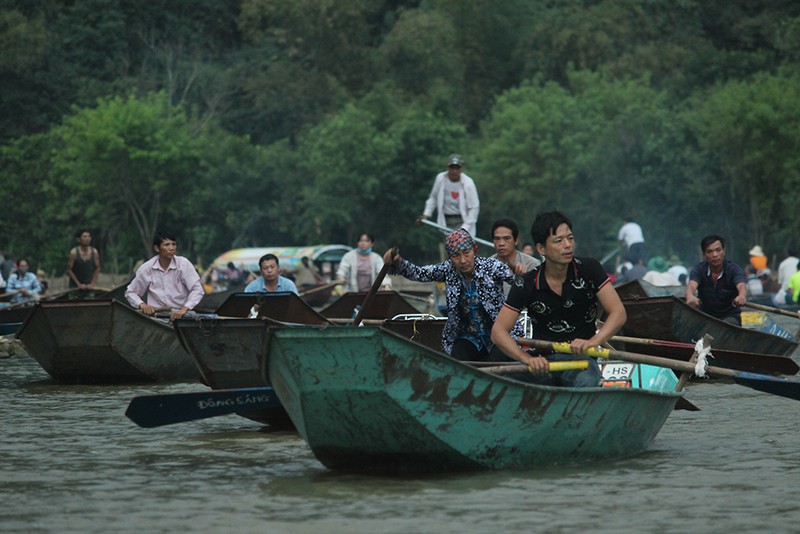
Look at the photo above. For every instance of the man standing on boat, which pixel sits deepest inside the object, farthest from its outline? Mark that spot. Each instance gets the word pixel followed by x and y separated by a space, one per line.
pixel 169 281
pixel 561 296
pixel 454 197
pixel 474 292
pixel 720 283
pixel 83 264
pixel 270 280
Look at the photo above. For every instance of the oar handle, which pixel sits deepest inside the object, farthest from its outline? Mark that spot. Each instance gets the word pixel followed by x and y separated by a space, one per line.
pixel 771 309
pixel 318 288
pixel 676 365
pixel 447 230
pixel 551 367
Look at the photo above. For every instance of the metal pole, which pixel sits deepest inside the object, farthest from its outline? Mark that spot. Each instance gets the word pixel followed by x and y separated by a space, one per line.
pixel 446 230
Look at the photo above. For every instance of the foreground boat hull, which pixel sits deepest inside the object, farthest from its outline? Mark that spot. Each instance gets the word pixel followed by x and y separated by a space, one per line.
pixel 367 399
pixel 99 342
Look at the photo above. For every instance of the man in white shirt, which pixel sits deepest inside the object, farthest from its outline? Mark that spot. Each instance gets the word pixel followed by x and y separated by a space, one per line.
pixel 631 237
pixel 786 269
pixel 454 197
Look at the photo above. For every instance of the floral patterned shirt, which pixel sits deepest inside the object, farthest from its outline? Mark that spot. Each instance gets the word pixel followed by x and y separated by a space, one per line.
pixel 488 278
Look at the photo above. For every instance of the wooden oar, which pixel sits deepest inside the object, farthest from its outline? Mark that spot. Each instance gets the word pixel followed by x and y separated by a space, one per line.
pixel 777 364
pixel 376 285
pixel 149 411
pixel 770 309
pixel 447 230
pixel 767 384
pixel 318 288
pixel 552 367
pixel 656 342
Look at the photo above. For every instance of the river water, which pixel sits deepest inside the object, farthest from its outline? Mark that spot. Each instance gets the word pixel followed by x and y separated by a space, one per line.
pixel 70 461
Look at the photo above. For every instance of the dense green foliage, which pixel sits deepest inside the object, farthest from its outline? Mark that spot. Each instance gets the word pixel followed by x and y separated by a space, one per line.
pixel 261 122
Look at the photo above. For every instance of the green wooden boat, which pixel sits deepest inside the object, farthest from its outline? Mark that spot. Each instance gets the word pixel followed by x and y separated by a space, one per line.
pixel 367 399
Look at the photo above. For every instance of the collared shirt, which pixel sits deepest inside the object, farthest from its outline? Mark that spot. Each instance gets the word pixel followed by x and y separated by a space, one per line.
pixel 571 315
pixel 259 285
pixel 27 281
pixel 716 297
pixel 488 276
pixel 174 288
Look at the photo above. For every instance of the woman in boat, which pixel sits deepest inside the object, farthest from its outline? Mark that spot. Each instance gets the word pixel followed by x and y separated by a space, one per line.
pixel 561 297
pixel 474 292
pixel 360 267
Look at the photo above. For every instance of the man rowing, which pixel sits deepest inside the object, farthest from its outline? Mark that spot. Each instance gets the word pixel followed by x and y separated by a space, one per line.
pixel 719 282
pixel 170 282
pixel 474 292
pixel 561 297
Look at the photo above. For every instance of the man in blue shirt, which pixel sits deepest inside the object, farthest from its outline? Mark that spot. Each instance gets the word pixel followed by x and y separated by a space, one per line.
pixel 720 283
pixel 23 284
pixel 270 280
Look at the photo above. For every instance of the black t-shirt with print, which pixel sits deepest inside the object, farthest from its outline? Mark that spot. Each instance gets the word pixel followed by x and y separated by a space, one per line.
pixel 568 316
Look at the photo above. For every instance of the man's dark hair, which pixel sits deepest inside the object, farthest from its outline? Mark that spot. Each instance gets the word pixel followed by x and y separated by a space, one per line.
pixel 546 224
pixel 506 223
pixel 160 237
pixel 266 257
pixel 707 240
pixel 80 232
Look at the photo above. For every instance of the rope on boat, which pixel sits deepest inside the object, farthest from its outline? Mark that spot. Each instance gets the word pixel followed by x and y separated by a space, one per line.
pixel 702 354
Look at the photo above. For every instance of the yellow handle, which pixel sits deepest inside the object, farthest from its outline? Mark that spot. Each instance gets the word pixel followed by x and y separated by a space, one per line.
pixel 564 348
pixel 567 366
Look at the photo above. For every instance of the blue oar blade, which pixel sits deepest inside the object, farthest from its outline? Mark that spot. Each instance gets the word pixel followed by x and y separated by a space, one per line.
pixel 766 384
pixel 157 410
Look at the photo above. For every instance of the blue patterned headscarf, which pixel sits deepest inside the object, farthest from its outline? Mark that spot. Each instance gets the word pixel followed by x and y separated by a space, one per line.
pixel 458 241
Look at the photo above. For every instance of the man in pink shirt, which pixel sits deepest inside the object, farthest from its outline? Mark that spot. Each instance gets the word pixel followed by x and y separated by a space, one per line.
pixel 170 282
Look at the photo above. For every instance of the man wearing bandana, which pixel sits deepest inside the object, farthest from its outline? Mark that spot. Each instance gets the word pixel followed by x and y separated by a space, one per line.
pixel 561 297
pixel 474 292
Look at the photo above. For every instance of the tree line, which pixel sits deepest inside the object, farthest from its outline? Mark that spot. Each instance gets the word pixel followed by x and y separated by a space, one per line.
pixel 258 123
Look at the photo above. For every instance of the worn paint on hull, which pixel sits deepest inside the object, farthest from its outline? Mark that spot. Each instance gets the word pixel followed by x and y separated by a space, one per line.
pixel 367 399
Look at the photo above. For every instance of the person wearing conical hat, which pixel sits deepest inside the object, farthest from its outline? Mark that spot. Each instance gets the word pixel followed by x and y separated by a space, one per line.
pixel 677 269
pixel 757 258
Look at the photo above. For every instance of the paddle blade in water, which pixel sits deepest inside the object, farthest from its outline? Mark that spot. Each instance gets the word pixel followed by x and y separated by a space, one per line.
pixel 157 410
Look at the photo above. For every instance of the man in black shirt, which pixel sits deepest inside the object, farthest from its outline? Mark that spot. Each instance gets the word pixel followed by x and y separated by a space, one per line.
pixel 561 297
